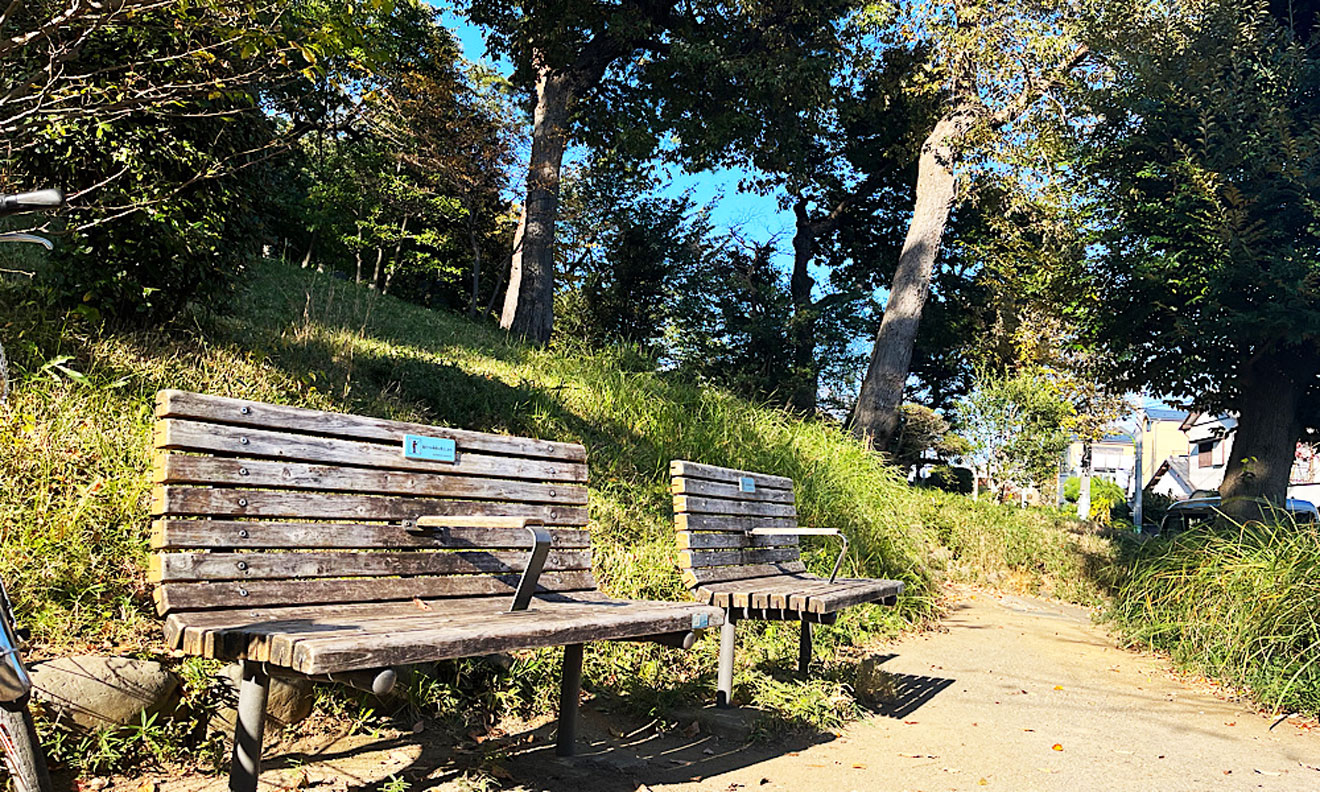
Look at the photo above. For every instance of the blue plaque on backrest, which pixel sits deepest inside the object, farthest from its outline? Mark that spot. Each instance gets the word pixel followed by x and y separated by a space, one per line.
pixel 746 484
pixel 430 449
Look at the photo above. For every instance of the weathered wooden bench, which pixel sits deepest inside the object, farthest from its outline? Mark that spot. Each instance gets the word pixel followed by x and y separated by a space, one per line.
pixel 339 547
pixel 738 540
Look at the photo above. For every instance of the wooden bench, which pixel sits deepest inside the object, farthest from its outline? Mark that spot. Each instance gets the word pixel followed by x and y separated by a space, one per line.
pixel 339 547
pixel 738 539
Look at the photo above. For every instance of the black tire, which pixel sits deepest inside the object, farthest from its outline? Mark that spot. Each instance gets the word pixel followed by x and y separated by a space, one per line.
pixel 23 757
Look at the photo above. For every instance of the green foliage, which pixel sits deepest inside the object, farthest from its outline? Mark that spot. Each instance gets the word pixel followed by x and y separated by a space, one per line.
pixel 950 479
pixel 924 434
pixel 1238 604
pixel 1105 496
pixel 1017 423
pixel 1204 172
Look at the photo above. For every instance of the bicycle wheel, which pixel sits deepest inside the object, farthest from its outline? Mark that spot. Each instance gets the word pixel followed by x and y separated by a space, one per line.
pixel 23 758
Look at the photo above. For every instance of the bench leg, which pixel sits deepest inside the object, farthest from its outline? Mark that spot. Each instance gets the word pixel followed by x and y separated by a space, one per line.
pixel 569 693
pixel 804 648
pixel 724 686
pixel 248 729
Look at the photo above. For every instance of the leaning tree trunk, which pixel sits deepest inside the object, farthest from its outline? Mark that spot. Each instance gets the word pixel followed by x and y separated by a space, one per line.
pixel 476 269
pixel 806 378
pixel 1265 443
pixel 876 415
pixel 529 302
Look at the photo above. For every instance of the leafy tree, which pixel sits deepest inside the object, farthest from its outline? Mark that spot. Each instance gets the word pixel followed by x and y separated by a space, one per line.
pixel 926 436
pixel 1017 424
pixel 1204 171
pixel 993 61
pixel 624 252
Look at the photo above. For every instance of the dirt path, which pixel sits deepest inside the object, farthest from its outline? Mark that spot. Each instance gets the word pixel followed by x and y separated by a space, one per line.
pixel 1014 693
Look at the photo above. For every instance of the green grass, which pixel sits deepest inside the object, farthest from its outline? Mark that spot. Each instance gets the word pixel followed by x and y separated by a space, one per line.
pixel 1240 605
pixel 75 450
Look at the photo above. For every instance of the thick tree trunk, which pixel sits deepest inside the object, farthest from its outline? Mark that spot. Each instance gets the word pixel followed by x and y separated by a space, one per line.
pixel 375 273
pixel 806 378
pixel 876 415
pixel 529 302
pixel 1265 443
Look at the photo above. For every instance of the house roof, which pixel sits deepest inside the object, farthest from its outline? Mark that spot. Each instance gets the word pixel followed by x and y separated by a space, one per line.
pixel 1177 467
pixel 1117 438
pixel 1165 414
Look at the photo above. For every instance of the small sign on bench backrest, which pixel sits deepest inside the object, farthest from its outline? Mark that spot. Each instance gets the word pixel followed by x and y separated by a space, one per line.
pixel 435 449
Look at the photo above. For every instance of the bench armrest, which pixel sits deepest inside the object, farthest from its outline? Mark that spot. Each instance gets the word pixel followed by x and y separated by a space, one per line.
pixel 522 596
pixel 838 562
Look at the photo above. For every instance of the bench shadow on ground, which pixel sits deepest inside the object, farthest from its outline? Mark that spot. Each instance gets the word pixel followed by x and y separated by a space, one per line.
pixel 616 752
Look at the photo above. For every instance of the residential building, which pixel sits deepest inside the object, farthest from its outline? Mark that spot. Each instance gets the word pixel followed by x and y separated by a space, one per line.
pixel 1209 440
pixel 1114 457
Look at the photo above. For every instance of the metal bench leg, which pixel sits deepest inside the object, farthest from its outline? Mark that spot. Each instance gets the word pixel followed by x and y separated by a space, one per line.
pixel 724 687
pixel 569 690
pixel 248 728
pixel 804 648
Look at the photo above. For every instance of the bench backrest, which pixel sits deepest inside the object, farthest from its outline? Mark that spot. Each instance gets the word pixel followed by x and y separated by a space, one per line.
pixel 715 511
pixel 261 505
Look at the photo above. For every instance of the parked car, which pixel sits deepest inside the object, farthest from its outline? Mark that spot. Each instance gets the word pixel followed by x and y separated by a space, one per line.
pixel 1198 511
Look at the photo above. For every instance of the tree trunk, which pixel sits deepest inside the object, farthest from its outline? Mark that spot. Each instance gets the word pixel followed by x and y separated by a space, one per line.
pixel 394 262
pixel 1084 484
pixel 357 256
pixel 529 301
pixel 876 415
pixel 806 378
pixel 375 273
pixel 1265 443
pixel 476 268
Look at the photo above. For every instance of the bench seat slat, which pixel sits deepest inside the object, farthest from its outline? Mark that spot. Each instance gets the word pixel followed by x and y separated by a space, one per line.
pixel 170 500
pixel 257 473
pixel 176 567
pixel 550 627
pixel 220 409
pixel 179 534
pixel 178 435
pixel 275 635
pixel 197 596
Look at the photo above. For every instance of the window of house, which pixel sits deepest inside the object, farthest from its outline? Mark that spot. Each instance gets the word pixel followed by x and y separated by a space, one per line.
pixel 1205 454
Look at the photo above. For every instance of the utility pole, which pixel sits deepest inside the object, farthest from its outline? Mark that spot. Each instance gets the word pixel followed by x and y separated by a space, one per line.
pixel 1138 480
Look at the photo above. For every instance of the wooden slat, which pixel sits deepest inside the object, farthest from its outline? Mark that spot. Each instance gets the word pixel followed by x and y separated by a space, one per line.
pixel 255 473
pixel 681 467
pixel 218 409
pixel 712 558
pixel 522 631
pixel 695 577
pixel 174 567
pixel 689 504
pixel 260 593
pixel 722 522
pixel 715 489
pixel 179 435
pixel 241 534
pixel 179 501
pixel 854 592
pixel 688 540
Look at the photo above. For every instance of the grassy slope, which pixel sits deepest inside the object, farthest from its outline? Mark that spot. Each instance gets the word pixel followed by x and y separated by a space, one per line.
pixel 75 448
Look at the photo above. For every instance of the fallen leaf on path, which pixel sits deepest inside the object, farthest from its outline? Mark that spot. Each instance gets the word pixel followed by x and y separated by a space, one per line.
pixel 1030 730
pixel 1309 767
pixel 982 782
pixel 859 767
pixel 907 756
pixel 1057 747
pixel 1268 772
pixel 1230 723
pixel 1058 687
pixel 910 723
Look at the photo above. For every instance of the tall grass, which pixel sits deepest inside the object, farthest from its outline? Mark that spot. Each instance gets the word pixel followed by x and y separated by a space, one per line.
pixel 75 449
pixel 1241 605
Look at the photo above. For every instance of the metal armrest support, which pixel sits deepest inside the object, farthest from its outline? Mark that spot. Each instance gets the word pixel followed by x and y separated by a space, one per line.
pixel 522 596
pixel 838 562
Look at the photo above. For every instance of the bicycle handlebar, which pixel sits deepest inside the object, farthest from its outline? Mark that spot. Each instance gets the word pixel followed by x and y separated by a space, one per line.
pixel 29 202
